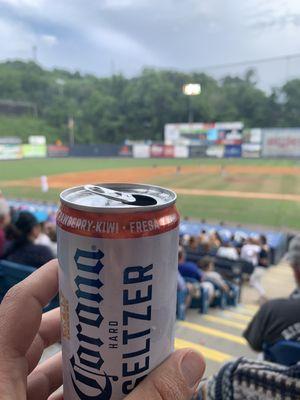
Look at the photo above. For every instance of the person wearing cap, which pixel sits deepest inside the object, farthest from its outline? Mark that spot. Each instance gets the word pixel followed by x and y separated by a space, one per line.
pixel 23 250
pixel 4 221
pixel 278 319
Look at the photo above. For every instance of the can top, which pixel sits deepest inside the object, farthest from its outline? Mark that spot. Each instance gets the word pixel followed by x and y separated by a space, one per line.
pixel 118 197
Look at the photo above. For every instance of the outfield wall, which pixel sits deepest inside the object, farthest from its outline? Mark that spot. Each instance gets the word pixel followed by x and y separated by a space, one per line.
pixel 255 143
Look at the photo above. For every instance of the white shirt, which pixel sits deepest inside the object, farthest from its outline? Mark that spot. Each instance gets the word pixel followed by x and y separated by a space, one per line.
pixel 228 252
pixel 46 241
pixel 250 253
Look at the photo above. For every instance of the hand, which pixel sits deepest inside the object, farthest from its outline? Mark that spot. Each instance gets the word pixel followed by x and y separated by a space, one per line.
pixel 25 332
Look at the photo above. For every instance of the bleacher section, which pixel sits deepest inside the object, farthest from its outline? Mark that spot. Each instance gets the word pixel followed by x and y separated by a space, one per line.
pixel 276 240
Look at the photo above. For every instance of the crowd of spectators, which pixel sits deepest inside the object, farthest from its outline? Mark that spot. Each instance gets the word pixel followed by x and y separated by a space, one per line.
pixel 26 237
pixel 197 255
pixel 29 238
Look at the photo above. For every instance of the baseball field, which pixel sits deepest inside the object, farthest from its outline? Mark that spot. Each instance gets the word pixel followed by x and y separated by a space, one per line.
pixel 258 192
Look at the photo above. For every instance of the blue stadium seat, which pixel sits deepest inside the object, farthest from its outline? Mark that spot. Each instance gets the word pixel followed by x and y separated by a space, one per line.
pixel 285 352
pixel 12 273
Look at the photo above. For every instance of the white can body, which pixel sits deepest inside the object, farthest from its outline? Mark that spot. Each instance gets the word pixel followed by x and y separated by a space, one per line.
pixel 118 300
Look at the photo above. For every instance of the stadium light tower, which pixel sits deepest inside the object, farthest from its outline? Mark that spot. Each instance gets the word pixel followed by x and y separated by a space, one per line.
pixel 191 89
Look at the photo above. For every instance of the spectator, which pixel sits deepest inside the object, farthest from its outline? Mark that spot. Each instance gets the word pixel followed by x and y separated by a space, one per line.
pixel 4 222
pixel 22 249
pixel 44 237
pixel 188 288
pixel 280 318
pixel 264 255
pixel 250 251
pixel 207 266
pixel 227 251
pixel 214 243
pixel 192 274
pixel 254 380
pixel 192 244
pixel 188 269
pixel 203 238
pixel 258 256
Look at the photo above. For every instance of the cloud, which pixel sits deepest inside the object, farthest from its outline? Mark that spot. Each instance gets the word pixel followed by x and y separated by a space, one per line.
pixel 180 34
pixel 19 4
pixel 49 40
pixel 119 4
pixel 275 14
pixel 15 39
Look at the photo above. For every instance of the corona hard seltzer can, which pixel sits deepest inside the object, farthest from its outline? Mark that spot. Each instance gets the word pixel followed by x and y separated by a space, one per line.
pixel 117 250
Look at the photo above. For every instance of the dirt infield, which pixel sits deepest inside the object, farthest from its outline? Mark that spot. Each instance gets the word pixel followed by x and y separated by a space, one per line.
pixel 144 174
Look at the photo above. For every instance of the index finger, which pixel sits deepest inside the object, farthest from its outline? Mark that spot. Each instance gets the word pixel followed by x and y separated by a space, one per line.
pixel 22 307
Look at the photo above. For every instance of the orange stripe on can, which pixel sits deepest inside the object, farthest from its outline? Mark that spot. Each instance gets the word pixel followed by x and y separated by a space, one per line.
pixel 118 226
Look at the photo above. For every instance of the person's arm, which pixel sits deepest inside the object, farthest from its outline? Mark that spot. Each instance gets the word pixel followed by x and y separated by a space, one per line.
pixel 255 332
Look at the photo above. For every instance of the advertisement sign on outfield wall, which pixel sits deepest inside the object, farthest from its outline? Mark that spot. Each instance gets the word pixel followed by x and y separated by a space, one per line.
pixel 57 151
pixel 34 151
pixel 141 151
pixel 251 150
pixel 253 135
pixel 197 151
pixel 37 140
pixel 181 151
pixel 10 152
pixel 233 151
pixel 281 142
pixel 125 151
pixel 203 133
pixel 161 151
pixel 215 151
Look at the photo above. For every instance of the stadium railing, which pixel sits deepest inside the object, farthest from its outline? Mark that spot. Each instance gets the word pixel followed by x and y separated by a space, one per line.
pixel 12 273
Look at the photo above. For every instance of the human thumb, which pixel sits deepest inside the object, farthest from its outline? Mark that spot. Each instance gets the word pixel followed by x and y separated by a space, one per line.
pixel 175 379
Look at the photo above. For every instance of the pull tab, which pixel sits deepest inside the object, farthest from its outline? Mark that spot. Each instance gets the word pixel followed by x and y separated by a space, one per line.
pixel 123 197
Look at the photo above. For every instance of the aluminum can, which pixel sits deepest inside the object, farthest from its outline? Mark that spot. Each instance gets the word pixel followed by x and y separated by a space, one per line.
pixel 117 251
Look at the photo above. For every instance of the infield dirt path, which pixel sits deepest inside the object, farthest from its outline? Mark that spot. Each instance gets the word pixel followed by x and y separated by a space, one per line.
pixel 241 195
pixel 144 174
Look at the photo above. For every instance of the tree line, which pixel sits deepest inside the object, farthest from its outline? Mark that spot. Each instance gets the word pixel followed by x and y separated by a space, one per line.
pixel 117 108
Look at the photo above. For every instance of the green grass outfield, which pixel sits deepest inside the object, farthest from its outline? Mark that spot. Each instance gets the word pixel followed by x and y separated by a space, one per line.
pixel 273 213
pixel 22 169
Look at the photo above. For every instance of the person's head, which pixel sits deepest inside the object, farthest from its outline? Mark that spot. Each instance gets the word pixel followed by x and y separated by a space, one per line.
pixel 28 226
pixel 263 240
pixel 192 242
pixel 293 257
pixel 4 213
pixel 51 232
pixel 206 264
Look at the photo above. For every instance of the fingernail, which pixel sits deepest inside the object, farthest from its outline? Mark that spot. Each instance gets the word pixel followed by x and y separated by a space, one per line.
pixel 192 368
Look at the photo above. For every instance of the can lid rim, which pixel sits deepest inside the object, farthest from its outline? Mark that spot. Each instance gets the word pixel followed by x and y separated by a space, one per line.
pixel 121 209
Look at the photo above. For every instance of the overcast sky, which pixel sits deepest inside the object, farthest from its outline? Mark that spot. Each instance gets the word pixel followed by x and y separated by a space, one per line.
pixel 101 36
